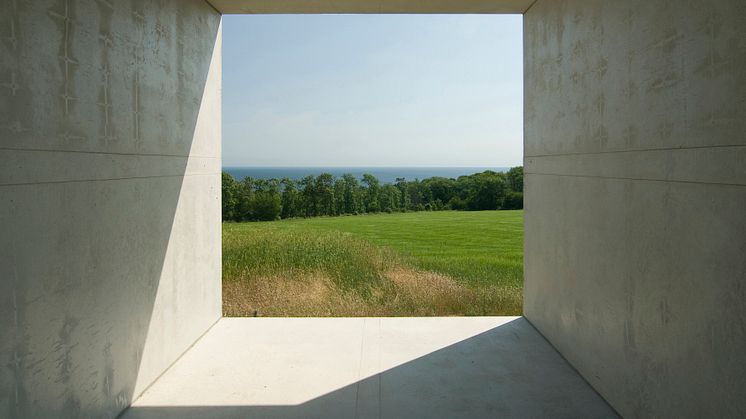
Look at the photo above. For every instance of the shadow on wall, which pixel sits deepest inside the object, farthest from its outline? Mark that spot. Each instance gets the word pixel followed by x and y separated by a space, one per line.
pixel 508 371
pixel 107 107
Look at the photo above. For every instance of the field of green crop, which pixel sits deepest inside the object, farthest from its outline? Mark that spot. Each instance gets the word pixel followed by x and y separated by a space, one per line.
pixel 425 263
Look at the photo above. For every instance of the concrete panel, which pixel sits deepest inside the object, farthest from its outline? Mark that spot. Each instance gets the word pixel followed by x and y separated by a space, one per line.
pixel 635 194
pixel 99 76
pixel 468 367
pixel 368 6
pixel 109 198
pixel 634 75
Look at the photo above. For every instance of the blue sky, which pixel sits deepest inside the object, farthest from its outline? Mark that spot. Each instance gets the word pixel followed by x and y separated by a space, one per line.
pixel 372 90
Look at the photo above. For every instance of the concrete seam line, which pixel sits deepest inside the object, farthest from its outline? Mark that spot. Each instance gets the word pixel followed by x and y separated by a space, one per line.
pixel 105 179
pixel 106 153
pixel 691 182
pixel 639 150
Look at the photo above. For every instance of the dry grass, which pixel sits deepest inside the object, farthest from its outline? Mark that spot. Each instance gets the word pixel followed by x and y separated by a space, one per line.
pixel 285 269
pixel 403 292
pixel 277 296
pixel 427 293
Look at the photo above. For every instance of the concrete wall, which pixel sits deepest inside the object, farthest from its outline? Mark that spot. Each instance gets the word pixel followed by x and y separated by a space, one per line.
pixel 110 151
pixel 635 156
pixel 370 6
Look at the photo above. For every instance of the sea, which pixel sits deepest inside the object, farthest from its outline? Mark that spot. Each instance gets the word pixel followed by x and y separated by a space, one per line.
pixel 384 174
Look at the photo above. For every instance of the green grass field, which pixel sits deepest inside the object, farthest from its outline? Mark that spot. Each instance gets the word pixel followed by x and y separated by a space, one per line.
pixel 426 263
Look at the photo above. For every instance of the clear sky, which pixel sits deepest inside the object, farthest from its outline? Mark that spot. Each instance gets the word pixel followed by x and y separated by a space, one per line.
pixel 372 90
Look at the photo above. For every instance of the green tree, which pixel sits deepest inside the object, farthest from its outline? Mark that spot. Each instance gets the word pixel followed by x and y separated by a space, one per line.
pixel 339 196
pixel 390 198
pixel 440 189
pixel 308 196
pixel 487 191
pixel 405 201
pixel 352 196
pixel 513 201
pixel 229 197
pixel 417 195
pixel 372 193
pixel 458 204
pixel 324 191
pixel 289 198
pixel 267 199
pixel 266 206
pixel 244 199
pixel 515 179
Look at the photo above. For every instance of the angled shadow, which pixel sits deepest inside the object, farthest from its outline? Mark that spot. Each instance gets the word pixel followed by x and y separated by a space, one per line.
pixel 84 242
pixel 510 371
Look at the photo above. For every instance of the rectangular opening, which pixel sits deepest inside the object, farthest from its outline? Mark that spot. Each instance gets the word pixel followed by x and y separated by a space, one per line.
pixel 372 165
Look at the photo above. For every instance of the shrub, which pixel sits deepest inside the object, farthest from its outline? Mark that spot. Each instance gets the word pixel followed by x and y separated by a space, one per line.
pixel 457 204
pixel 513 201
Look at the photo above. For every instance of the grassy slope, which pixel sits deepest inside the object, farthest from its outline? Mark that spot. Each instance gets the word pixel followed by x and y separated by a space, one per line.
pixel 429 263
pixel 474 247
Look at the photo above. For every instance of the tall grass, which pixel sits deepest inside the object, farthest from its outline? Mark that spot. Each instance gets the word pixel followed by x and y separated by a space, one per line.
pixel 351 264
pixel 309 268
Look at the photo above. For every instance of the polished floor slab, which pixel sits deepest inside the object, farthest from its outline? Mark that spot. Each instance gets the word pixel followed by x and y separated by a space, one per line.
pixel 453 367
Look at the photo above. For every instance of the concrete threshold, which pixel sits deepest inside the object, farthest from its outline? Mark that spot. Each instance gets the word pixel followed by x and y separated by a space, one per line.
pixel 438 367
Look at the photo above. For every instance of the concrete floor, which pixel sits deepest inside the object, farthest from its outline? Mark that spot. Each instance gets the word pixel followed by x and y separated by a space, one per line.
pixel 473 367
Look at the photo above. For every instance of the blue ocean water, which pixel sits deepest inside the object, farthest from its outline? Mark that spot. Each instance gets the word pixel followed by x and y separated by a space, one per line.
pixel 384 174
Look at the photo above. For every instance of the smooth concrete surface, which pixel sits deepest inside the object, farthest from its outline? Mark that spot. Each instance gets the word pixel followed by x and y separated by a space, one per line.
pixel 368 6
pixel 635 229
pixel 468 367
pixel 109 198
pixel 635 219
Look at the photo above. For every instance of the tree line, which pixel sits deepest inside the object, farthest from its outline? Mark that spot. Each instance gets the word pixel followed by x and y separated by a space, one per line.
pixel 324 195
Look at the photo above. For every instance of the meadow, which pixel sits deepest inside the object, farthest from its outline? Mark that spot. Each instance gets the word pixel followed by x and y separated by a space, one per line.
pixel 403 264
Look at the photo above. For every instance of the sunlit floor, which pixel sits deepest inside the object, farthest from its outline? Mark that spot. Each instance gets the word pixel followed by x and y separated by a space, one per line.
pixel 456 367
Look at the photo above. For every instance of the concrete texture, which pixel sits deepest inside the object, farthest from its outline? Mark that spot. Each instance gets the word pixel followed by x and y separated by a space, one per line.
pixel 635 195
pixel 368 6
pixel 484 367
pixel 635 228
pixel 110 150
